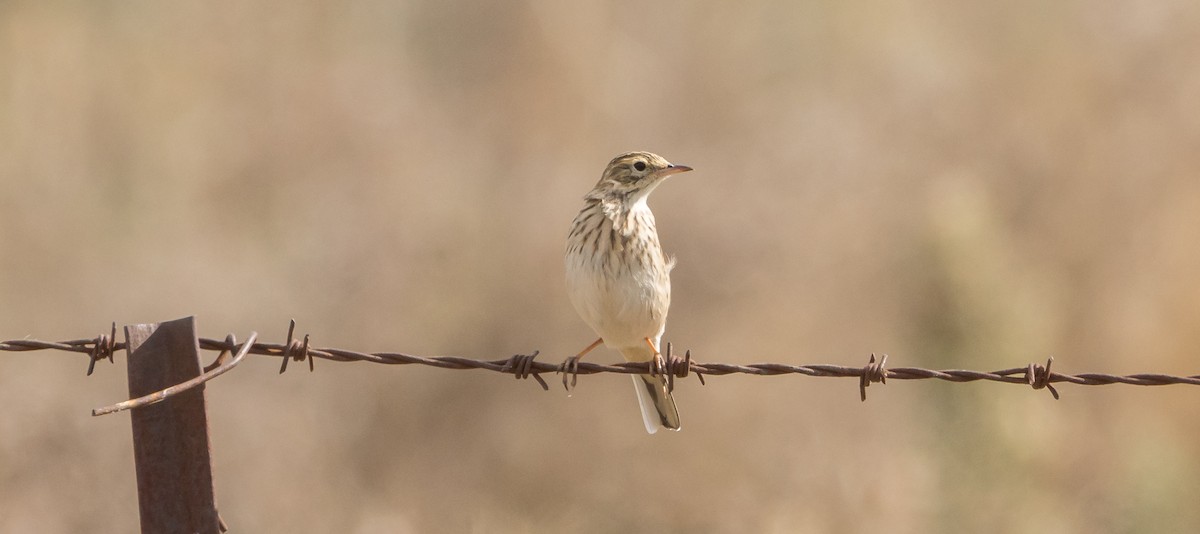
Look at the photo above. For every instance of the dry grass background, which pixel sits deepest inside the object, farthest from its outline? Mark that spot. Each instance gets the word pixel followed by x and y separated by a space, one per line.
pixel 958 184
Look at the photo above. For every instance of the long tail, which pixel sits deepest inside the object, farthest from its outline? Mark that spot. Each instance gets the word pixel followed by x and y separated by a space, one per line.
pixel 658 408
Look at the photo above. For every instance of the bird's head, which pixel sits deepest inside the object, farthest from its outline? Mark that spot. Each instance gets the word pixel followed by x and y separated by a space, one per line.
pixel 630 177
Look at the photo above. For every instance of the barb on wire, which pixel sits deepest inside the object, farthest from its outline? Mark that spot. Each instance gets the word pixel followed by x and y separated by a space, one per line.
pixel 102 347
pixel 1032 375
pixel 677 367
pixel 295 349
pixel 1039 377
pixel 521 366
pixel 872 372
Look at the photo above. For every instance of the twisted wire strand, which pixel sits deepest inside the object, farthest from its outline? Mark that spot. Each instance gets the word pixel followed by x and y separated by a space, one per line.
pixel 524 366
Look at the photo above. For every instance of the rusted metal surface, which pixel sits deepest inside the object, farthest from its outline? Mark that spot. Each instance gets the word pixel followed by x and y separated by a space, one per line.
pixel 1033 375
pixel 170 439
pixel 222 365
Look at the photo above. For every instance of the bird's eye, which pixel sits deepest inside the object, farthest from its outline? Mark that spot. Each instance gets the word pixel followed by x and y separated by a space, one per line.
pixel 640 166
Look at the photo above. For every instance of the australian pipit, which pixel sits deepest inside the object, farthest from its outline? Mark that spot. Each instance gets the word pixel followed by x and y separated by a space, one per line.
pixel 618 277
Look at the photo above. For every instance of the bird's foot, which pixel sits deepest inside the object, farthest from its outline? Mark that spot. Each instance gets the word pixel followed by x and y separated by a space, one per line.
pixel 570 371
pixel 658 365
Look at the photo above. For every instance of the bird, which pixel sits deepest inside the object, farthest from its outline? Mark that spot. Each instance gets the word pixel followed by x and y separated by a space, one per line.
pixel 619 279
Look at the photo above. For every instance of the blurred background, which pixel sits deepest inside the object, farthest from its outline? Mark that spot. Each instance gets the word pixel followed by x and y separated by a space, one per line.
pixel 959 185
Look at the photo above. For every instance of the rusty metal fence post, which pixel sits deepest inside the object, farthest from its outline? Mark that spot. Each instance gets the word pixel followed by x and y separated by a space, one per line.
pixel 171 446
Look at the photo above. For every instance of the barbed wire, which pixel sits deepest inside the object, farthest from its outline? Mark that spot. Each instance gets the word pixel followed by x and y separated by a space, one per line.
pixel 523 366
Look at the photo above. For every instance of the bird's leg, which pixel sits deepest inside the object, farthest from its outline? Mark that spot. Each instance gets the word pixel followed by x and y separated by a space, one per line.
pixel 657 364
pixel 570 366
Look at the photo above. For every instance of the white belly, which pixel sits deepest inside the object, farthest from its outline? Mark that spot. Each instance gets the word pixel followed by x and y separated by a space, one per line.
pixel 623 308
pixel 623 302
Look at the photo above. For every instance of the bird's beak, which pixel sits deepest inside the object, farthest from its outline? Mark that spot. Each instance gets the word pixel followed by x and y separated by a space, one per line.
pixel 673 169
